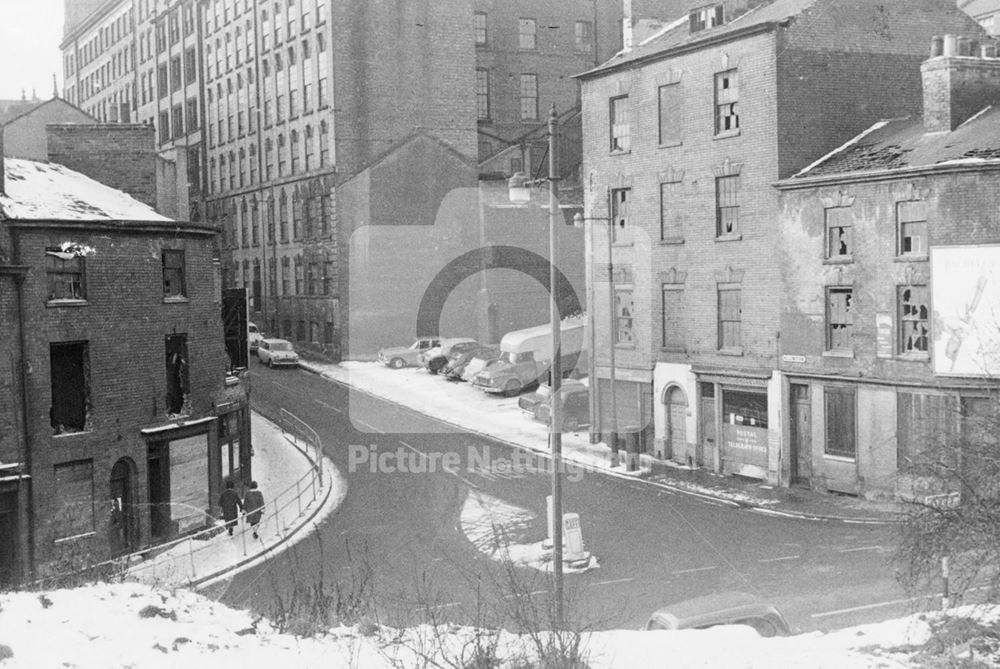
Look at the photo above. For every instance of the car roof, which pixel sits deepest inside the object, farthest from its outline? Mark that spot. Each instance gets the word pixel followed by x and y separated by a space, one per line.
pixel 275 340
pixel 713 609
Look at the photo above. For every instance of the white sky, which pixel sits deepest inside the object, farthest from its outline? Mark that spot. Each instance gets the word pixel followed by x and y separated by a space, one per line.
pixel 30 32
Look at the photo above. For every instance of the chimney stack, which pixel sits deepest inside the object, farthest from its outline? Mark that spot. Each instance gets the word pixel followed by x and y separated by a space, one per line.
pixel 960 79
pixel 627 25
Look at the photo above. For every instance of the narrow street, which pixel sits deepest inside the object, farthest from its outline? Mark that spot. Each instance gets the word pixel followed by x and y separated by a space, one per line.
pixel 654 547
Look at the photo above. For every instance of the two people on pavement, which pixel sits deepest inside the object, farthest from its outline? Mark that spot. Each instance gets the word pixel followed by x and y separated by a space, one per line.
pixel 252 505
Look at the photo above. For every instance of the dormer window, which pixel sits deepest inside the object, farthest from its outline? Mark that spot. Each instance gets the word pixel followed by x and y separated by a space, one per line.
pixel 706 17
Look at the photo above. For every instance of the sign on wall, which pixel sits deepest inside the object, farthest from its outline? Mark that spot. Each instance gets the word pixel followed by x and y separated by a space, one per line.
pixel 965 295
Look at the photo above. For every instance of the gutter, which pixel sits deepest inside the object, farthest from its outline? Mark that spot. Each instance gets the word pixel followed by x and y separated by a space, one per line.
pixel 680 49
pixel 168 227
pixel 885 175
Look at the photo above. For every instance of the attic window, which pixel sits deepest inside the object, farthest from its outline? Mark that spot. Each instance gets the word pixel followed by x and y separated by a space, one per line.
pixel 706 17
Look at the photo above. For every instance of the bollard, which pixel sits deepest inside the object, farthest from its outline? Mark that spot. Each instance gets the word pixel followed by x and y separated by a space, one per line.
pixel 946 596
pixel 194 574
pixel 573 550
pixel 243 533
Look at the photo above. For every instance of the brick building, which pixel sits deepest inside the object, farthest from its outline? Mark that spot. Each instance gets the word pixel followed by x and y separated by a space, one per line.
pixel 118 423
pixel 986 12
pixel 889 259
pixel 684 135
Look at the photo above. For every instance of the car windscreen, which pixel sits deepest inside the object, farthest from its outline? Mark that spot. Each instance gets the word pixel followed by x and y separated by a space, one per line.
pixel 508 357
pixel 281 346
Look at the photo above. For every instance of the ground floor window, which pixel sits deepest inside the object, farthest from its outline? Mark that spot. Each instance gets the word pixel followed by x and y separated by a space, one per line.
pixel 744 428
pixel 74 499
pixel 925 424
pixel 840 422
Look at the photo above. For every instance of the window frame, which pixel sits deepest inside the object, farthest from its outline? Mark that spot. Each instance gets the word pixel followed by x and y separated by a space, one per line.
pixel 834 342
pixel 179 272
pixel 527 40
pixel 834 423
pixel 903 319
pixel 922 253
pixel 619 128
pixel 833 220
pixel 480 28
pixel 675 320
pixel 77 276
pixel 727 95
pixel 727 202
pixel 625 331
pixel 528 102
pixel 618 208
pixel 731 340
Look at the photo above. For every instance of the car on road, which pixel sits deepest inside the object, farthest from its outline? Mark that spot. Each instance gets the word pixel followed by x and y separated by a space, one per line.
pixel 575 407
pixel 725 608
pixel 273 352
pixel 254 335
pixel 435 358
pixel 398 357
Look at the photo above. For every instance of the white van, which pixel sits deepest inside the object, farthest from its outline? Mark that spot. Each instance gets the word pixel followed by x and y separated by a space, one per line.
pixel 254 336
pixel 526 355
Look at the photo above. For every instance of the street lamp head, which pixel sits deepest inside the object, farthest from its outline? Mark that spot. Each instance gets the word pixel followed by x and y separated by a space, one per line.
pixel 519 188
pixel 578 220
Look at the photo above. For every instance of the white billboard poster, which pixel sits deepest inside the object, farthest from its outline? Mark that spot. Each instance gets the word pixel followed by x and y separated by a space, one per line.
pixel 965 295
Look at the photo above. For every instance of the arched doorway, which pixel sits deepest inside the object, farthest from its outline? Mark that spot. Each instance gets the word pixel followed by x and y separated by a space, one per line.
pixel 676 417
pixel 123 528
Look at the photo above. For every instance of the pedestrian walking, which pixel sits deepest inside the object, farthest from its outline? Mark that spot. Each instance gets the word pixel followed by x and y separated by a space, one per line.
pixel 253 506
pixel 231 504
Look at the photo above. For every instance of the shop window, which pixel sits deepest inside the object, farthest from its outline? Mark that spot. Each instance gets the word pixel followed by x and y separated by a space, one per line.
pixel 69 372
pixel 73 499
pixel 840 422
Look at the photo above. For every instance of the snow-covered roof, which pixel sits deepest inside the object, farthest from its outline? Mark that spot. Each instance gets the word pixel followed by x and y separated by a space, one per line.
pixel 46 191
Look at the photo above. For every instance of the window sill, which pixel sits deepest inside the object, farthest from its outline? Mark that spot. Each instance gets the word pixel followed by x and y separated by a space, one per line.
pixel 735 352
pixel 838 354
pixel 618 244
pixel 670 241
pixel 619 152
pixel 840 458
pixel 67 302
pixel 734 237
pixel 726 134
pixel 625 347
pixel 914 357
pixel 66 540
pixel 911 258
pixel 671 144
pixel 175 299
pixel 74 433
pixel 840 260
pixel 673 349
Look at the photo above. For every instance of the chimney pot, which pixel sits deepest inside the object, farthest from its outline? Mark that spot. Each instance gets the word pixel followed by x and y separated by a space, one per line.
pixel 937 46
pixel 950 45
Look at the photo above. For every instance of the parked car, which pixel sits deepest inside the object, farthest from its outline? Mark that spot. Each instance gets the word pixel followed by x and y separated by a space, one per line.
pixel 725 608
pixel 526 356
pixel 273 352
pixel 458 362
pixel 254 336
pixel 479 362
pixel 434 359
pixel 575 407
pixel 531 402
pixel 398 357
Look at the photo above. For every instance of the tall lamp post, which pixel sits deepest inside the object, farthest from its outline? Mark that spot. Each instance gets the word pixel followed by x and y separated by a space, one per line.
pixel 520 193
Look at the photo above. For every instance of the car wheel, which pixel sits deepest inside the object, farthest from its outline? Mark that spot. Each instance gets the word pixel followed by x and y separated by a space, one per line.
pixel 397 363
pixel 570 423
pixel 270 363
pixel 512 388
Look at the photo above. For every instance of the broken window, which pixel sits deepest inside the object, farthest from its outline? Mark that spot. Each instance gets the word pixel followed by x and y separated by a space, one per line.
pixel 914 319
pixel 730 317
pixel 69 372
pixel 727 97
pixel 706 17
pixel 839 232
pixel 839 318
pixel 624 333
pixel 73 499
pixel 911 220
pixel 178 378
pixel 619 124
pixel 619 212
pixel 727 205
pixel 173 273
pixel 65 274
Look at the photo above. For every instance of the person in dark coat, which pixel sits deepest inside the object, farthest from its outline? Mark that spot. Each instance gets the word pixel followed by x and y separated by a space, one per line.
pixel 231 504
pixel 253 506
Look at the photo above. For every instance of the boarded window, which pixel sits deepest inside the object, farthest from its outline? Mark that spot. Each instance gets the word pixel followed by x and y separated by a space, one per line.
pixel 914 319
pixel 727 96
pixel 671 120
pixel 69 375
pixel 911 218
pixel 673 323
pixel 727 205
pixel 839 232
pixel 65 274
pixel 73 499
pixel 839 319
pixel 624 310
pixel 840 422
pixel 730 315
pixel 925 425
pixel 526 30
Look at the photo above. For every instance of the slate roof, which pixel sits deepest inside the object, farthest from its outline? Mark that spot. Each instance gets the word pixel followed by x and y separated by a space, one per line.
pixel 902 143
pixel 36 190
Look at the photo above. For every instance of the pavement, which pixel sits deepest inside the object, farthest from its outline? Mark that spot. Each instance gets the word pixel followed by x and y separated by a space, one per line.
pixel 296 500
pixel 468 409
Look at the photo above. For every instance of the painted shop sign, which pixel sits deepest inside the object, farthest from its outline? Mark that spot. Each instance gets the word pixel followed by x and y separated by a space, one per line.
pixel 745 445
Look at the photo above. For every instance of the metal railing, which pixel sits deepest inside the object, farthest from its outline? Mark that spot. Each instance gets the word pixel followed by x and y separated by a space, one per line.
pixel 183 561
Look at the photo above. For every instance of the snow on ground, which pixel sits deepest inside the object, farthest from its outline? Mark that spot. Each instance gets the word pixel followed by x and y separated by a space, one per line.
pixel 498 529
pixel 472 410
pixel 133 625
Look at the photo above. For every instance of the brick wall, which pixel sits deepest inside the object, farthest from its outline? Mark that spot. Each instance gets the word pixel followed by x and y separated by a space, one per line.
pixel 118 155
pixel 124 321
